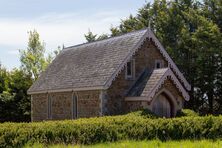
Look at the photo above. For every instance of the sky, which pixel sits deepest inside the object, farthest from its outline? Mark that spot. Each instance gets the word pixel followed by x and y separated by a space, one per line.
pixel 57 21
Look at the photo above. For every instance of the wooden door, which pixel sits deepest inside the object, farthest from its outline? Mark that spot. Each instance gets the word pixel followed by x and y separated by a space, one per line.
pixel 161 106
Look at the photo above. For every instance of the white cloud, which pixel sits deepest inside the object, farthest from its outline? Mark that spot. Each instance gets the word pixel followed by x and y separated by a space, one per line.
pixel 13 52
pixel 56 29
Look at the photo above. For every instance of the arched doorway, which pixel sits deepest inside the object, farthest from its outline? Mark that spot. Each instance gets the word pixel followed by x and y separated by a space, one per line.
pixel 162 106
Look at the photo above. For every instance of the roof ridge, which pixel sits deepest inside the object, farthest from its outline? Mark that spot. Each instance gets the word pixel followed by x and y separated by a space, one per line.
pixel 111 37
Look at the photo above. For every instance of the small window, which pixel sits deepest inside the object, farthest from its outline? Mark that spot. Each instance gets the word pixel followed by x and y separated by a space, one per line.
pixel 130 69
pixel 158 64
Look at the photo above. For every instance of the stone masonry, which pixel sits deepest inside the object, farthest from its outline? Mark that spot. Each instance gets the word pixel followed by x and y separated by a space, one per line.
pixel 116 93
pixel 59 106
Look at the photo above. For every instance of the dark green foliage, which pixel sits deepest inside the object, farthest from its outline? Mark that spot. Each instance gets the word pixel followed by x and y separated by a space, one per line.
pixel 213 10
pixel 7 107
pixel 19 84
pixel 190 31
pixel 15 103
pixel 108 129
pixel 3 79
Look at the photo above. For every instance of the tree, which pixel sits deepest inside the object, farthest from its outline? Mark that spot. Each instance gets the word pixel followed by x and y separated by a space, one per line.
pixel 212 9
pixel 90 37
pixel 102 37
pixel 15 103
pixel 20 82
pixel 190 30
pixel 206 41
pixel 4 79
pixel 51 56
pixel 32 59
pixel 7 108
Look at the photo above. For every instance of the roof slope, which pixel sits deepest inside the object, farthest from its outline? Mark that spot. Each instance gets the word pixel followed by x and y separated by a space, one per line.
pixel 154 84
pixel 153 80
pixel 157 79
pixel 95 65
pixel 137 88
pixel 87 65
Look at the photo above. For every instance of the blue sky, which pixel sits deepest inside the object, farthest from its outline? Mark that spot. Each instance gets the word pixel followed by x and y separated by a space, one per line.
pixel 57 21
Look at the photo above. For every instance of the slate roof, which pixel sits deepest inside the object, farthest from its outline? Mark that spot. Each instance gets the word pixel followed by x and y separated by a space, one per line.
pixel 87 65
pixel 147 82
pixel 147 89
pixel 153 80
pixel 157 79
pixel 138 87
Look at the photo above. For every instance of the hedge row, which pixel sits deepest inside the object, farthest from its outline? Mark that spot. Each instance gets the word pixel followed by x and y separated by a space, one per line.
pixel 108 129
pixel 187 112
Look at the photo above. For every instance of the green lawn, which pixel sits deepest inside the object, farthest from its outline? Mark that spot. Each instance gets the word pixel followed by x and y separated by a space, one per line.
pixel 145 144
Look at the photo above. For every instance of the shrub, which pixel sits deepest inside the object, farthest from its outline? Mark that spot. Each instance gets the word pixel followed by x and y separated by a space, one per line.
pixel 187 112
pixel 109 129
pixel 145 113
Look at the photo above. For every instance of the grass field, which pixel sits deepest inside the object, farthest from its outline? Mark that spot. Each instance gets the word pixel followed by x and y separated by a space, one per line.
pixel 144 144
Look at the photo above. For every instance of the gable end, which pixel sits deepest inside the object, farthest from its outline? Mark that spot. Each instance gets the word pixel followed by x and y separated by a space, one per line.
pixel 150 35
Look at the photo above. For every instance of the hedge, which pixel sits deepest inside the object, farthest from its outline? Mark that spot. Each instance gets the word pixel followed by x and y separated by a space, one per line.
pixel 187 112
pixel 109 129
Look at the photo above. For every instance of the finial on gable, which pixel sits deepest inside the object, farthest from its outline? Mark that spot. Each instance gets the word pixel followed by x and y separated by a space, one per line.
pixel 150 19
pixel 149 25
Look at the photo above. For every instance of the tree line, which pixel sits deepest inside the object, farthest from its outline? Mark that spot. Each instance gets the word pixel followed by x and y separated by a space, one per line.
pixel 15 104
pixel 190 30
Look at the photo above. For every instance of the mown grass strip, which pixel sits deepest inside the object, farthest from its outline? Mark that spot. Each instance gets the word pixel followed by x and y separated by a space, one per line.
pixel 141 144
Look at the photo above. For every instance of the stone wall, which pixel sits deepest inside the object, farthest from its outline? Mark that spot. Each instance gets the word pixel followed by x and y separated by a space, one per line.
pixel 89 104
pixel 144 58
pixel 59 106
pixel 133 106
pixel 39 110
